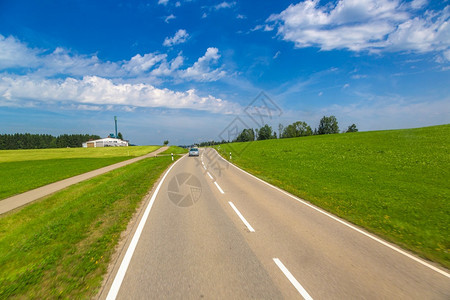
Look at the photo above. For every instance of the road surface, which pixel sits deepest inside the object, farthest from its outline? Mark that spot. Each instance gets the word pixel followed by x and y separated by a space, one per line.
pixel 30 196
pixel 213 231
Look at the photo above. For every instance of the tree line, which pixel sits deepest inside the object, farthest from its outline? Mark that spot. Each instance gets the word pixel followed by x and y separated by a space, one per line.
pixel 41 141
pixel 327 125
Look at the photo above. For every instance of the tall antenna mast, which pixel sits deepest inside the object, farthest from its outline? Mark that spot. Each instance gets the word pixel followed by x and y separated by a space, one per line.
pixel 115 121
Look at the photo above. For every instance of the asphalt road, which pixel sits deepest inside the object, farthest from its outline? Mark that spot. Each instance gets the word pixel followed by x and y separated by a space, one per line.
pixel 213 231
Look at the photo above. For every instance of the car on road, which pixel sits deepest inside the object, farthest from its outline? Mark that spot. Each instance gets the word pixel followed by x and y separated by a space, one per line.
pixel 193 151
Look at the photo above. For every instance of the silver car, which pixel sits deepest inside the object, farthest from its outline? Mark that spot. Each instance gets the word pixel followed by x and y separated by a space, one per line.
pixel 193 152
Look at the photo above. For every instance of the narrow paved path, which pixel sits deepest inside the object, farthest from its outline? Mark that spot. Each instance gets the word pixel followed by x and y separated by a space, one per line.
pixel 27 197
pixel 216 232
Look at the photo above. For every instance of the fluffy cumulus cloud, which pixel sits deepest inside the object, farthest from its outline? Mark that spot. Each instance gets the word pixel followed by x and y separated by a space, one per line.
pixel 423 34
pixel 15 55
pixel 180 37
pixel 167 68
pixel 91 91
pixel 33 76
pixel 371 25
pixel 139 63
pixel 201 70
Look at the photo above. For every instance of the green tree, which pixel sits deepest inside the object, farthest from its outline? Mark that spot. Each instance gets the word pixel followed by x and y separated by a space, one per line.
pixel 302 128
pixel 296 129
pixel 41 141
pixel 166 142
pixel 265 133
pixel 247 135
pixel 120 136
pixel 352 128
pixel 328 125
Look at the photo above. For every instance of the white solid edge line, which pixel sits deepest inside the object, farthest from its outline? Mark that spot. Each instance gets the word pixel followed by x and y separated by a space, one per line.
pixel 115 287
pixel 292 279
pixel 241 217
pixel 422 262
pixel 218 187
pixel 210 175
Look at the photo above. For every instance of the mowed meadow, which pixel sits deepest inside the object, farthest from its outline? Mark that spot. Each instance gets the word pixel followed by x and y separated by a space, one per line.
pixel 23 170
pixel 60 246
pixel 394 183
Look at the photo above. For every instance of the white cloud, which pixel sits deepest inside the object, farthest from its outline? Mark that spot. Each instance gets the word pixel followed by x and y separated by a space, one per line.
pixel 418 4
pixel 265 27
pixel 257 27
pixel 13 53
pixel 180 37
pixel 149 67
pixel 201 70
pixel 139 64
pixel 61 62
pixel 224 5
pixel 163 2
pixel 89 83
pixel 447 54
pixel 17 55
pixel 92 91
pixel 358 25
pixel 86 82
pixel 168 69
pixel 423 34
pixel 169 17
pixel 268 28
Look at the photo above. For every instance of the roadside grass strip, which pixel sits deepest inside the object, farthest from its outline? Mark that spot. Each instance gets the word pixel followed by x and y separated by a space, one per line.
pixel 174 150
pixel 394 183
pixel 24 170
pixel 60 246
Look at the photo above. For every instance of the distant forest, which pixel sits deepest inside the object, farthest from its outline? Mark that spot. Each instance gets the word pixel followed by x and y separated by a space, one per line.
pixel 41 141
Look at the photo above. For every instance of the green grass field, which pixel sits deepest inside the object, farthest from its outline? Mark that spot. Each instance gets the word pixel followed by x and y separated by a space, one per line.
pixel 23 170
pixel 60 246
pixel 394 183
pixel 175 150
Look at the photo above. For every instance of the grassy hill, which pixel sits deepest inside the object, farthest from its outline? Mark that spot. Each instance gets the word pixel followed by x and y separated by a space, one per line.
pixel 395 183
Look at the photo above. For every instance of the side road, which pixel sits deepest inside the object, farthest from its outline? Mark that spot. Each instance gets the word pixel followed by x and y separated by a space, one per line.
pixel 30 196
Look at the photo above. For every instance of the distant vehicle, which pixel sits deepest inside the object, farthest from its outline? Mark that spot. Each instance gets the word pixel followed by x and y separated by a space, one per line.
pixel 193 151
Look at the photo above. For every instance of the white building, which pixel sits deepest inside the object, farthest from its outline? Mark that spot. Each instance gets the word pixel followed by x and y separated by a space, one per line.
pixel 106 142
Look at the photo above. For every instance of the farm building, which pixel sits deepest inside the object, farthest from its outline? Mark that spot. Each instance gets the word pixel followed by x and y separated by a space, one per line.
pixel 106 142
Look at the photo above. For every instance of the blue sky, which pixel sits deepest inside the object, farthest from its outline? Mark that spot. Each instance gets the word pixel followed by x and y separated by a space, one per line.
pixel 187 70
